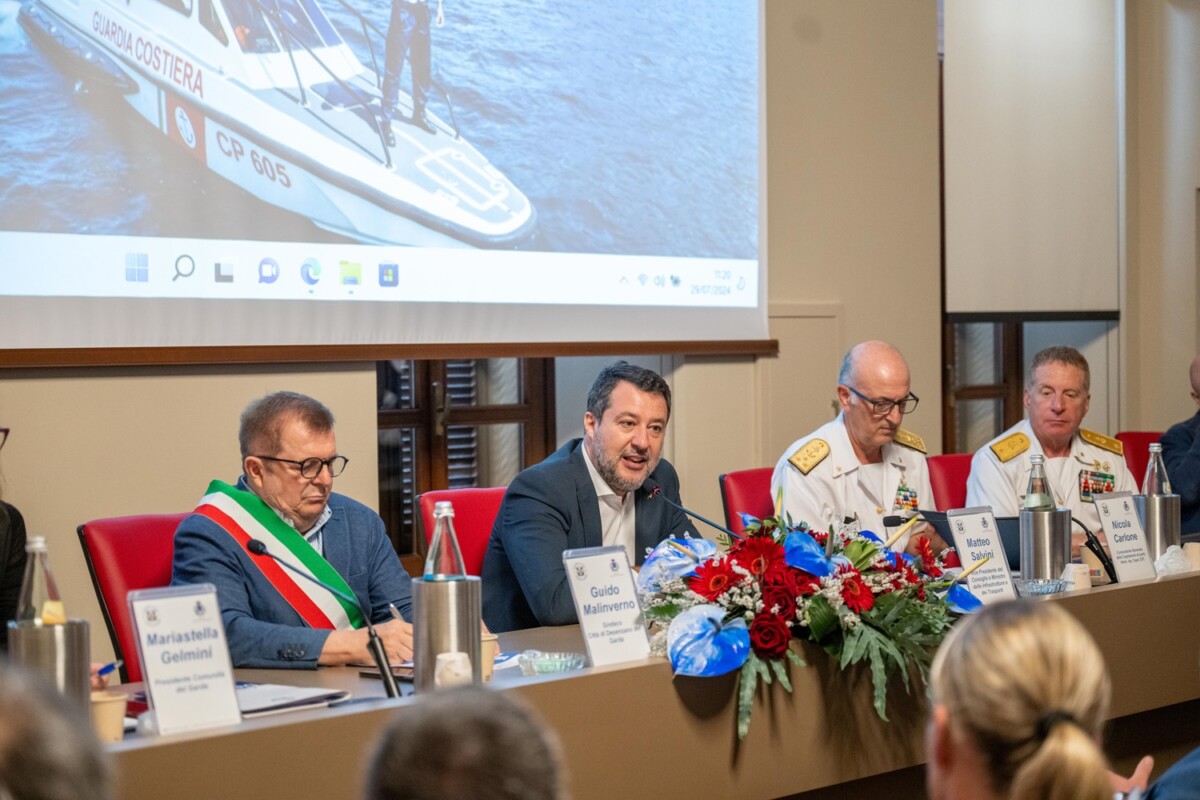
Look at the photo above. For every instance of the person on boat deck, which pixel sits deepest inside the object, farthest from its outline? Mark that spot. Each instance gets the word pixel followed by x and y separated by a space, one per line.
pixel 408 37
pixel 285 499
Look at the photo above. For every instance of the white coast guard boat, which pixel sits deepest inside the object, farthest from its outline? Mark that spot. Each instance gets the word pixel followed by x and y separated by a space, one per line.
pixel 267 94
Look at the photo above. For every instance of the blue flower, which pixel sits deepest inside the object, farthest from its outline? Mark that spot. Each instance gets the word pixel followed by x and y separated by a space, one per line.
pixel 961 601
pixel 802 551
pixel 701 645
pixel 673 558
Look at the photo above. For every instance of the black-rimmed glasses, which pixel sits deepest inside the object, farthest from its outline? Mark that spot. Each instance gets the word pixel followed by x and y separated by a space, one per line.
pixel 3 436
pixel 311 467
pixel 881 407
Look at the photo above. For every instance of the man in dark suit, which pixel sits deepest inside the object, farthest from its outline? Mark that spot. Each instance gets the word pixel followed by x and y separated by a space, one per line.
pixel 1181 454
pixel 584 495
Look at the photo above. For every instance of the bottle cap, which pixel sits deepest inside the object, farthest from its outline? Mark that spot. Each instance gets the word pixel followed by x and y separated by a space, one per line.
pixel 35 544
pixel 443 508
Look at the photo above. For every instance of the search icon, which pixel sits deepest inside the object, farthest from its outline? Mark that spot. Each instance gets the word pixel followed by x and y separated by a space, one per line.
pixel 185 267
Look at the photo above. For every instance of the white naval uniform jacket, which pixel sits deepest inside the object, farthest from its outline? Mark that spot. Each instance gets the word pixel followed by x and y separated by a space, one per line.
pixel 836 487
pixel 1001 484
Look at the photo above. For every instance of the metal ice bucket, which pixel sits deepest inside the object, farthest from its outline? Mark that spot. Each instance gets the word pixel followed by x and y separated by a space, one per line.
pixel 1159 514
pixel 60 654
pixel 446 619
pixel 1045 542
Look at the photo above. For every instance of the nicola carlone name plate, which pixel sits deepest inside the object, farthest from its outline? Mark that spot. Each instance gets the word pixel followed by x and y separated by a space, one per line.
pixel 1126 539
pixel 185 657
pixel 606 601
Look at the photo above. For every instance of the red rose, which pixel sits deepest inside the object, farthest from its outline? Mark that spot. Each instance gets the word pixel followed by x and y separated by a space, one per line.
pixel 712 578
pixel 757 554
pixel 785 600
pixel 796 581
pixel 769 636
pixel 855 592
pixel 951 559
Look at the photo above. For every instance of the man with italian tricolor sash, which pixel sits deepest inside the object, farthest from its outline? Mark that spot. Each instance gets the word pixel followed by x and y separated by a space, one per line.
pixel 1079 463
pixel 285 499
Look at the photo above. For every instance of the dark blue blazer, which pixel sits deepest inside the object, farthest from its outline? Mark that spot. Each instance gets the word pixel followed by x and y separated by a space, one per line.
pixel 549 508
pixel 1181 454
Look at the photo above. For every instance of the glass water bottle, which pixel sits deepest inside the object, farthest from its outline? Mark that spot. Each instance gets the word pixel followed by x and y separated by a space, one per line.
pixel 40 602
pixel 1038 496
pixel 1156 481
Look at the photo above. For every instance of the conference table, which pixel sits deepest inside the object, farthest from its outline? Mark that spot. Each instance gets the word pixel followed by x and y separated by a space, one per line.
pixel 635 730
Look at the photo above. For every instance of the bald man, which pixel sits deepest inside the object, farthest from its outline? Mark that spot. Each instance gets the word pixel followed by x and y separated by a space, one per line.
pixel 862 464
pixel 1181 452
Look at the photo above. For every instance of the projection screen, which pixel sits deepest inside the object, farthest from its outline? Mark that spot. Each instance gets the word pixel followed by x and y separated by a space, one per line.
pixel 187 173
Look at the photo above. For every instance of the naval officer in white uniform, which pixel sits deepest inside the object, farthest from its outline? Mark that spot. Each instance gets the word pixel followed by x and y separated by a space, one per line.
pixel 862 464
pixel 1079 463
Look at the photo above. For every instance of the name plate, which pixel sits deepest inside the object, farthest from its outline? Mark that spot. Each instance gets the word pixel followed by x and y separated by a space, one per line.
pixel 607 605
pixel 976 537
pixel 185 657
pixel 1126 539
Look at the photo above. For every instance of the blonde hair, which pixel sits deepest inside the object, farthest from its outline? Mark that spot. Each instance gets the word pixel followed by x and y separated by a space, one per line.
pixel 1028 685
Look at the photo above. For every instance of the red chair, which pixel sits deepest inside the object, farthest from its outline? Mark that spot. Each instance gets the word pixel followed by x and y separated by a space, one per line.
pixel 475 513
pixel 948 476
pixel 124 554
pixel 1137 450
pixel 746 491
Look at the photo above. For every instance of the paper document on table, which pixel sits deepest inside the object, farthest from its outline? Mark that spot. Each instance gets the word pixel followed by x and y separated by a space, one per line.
pixel 257 699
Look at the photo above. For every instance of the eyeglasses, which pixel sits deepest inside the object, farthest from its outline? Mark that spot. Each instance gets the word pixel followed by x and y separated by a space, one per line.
pixel 881 407
pixel 3 436
pixel 311 467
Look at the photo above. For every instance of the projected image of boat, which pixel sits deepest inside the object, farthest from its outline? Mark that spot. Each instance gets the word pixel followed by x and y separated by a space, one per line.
pixel 269 95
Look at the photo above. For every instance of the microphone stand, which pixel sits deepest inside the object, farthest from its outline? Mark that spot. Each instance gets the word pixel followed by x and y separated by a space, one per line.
pixel 1097 549
pixel 374 643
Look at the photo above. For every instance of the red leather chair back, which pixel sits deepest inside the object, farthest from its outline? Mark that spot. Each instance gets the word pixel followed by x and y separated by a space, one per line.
pixel 1137 450
pixel 124 554
pixel 948 476
pixel 475 513
pixel 746 491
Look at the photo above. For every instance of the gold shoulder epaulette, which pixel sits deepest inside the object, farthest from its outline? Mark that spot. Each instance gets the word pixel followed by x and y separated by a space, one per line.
pixel 812 453
pixel 1100 440
pixel 1010 447
pixel 910 440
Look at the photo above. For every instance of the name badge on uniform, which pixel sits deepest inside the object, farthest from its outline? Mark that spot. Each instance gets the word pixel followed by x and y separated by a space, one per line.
pixel 1093 482
pixel 906 498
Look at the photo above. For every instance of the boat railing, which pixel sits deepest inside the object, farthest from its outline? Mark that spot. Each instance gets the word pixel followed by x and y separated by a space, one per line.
pixel 287 41
pixel 369 28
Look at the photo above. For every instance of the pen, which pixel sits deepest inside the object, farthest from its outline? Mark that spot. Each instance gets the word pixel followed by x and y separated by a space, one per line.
pixel 108 668
pixel 395 611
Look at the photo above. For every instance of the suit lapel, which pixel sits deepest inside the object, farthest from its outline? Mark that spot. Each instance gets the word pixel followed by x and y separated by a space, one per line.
pixel 589 504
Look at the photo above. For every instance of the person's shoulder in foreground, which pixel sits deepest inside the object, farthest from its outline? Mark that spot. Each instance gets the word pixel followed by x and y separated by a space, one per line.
pixel 285 500
pixel 584 495
pixel 467 744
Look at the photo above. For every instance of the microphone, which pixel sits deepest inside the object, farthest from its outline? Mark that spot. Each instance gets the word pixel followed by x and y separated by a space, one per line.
pixel 653 490
pixel 374 643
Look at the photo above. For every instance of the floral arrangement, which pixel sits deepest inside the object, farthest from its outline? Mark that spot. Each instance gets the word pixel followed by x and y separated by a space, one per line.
pixel 845 591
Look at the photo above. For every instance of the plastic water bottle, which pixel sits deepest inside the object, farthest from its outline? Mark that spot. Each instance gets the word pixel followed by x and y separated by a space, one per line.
pixel 1038 496
pixel 40 603
pixel 1156 481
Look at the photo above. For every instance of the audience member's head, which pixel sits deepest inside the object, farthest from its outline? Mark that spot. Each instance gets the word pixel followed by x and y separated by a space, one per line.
pixel 1020 693
pixel 47 748
pixel 468 744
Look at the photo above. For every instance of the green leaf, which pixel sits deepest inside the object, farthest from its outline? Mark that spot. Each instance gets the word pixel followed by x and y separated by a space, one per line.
pixel 861 553
pixel 746 695
pixel 822 619
pixel 795 658
pixel 665 611
pixel 781 675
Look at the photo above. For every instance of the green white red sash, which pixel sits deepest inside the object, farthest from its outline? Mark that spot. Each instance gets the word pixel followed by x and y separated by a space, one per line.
pixel 244 516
